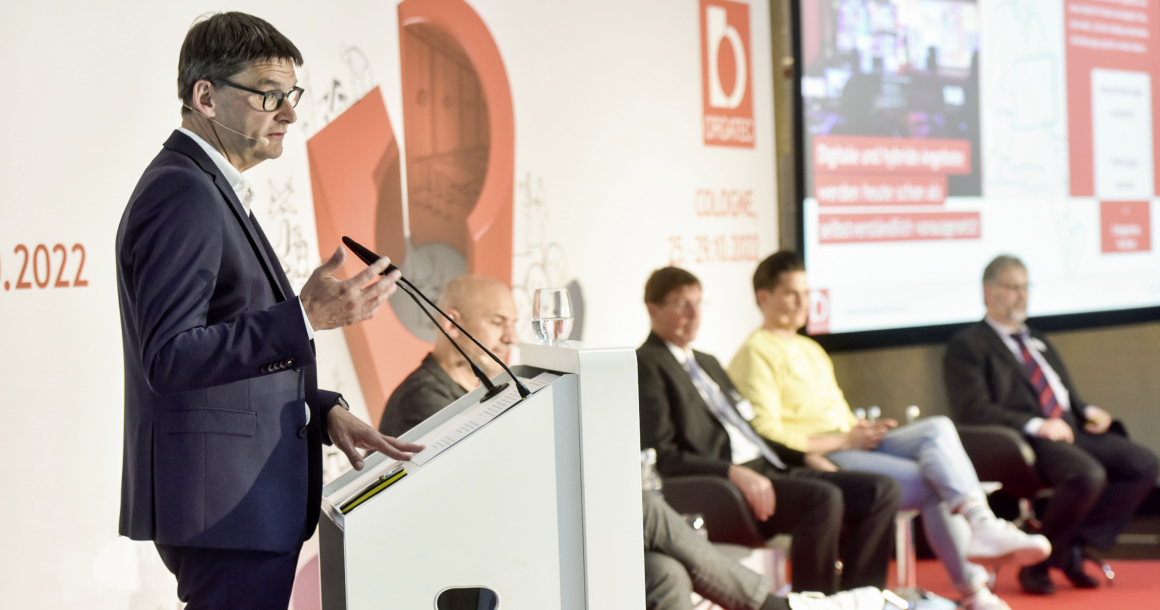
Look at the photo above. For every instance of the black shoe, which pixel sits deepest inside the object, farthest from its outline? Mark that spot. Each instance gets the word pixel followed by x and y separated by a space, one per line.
pixel 1074 571
pixel 1035 580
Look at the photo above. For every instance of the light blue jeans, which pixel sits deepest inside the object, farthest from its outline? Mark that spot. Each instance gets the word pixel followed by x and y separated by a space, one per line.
pixel 928 460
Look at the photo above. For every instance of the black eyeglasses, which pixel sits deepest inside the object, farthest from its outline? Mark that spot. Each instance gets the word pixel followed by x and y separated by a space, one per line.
pixel 272 100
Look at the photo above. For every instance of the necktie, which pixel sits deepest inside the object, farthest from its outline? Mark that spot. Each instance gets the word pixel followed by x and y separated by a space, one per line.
pixel 1047 401
pixel 727 414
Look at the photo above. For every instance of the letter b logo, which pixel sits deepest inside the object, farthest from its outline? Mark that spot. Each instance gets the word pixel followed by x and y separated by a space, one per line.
pixel 718 31
pixel 726 91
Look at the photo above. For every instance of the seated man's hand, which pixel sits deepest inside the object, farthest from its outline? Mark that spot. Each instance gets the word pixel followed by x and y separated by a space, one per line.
pixel 757 489
pixel 350 434
pixel 865 436
pixel 333 303
pixel 820 462
pixel 1098 420
pixel 1055 429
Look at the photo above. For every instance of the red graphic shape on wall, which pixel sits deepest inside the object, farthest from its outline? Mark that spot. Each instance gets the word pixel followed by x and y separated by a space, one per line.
pixel 468 121
pixel 460 128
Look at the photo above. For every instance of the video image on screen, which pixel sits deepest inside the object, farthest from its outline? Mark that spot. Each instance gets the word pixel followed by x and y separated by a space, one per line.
pixel 897 70
pixel 938 134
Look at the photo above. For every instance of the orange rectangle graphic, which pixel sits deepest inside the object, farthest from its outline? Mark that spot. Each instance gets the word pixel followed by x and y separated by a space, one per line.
pixel 873 155
pixel 838 190
pixel 1125 226
pixel 904 226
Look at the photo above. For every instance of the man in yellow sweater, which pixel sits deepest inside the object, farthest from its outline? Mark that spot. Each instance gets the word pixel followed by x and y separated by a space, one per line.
pixel 796 401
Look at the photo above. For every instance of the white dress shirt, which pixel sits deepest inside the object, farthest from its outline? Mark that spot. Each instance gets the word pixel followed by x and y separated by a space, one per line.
pixel 743 449
pixel 245 195
pixel 1036 348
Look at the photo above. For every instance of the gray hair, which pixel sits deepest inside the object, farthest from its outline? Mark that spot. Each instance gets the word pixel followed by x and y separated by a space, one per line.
pixel 998 265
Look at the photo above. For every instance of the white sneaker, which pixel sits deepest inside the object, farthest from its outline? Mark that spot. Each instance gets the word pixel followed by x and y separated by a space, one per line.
pixel 983 599
pixel 995 541
pixel 862 598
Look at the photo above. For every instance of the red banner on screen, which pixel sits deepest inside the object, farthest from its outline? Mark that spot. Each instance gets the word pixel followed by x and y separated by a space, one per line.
pixel 904 226
pixel 1102 35
pixel 1125 226
pixel 869 155
pixel 837 190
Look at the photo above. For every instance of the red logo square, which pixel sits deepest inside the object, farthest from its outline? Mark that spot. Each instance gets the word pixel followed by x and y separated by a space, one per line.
pixel 726 74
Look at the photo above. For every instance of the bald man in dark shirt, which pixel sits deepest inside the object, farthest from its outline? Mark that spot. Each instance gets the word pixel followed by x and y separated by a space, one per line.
pixel 483 307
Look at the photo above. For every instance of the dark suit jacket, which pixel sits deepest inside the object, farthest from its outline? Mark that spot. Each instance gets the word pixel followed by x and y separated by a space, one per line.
pixel 218 365
pixel 675 420
pixel 987 384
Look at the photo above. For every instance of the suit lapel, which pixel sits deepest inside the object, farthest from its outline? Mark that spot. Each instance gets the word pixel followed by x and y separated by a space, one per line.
pixel 182 144
pixel 684 382
pixel 279 274
pixel 997 346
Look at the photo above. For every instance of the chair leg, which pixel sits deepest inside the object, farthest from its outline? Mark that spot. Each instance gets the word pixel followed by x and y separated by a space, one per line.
pixel 905 557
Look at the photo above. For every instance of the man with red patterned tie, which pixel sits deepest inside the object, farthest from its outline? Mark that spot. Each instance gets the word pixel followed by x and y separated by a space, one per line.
pixel 1000 372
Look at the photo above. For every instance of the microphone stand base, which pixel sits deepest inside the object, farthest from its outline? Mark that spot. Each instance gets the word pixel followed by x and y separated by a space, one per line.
pixel 492 393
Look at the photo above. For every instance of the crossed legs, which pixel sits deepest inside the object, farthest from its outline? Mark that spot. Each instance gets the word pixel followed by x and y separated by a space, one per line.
pixel 928 460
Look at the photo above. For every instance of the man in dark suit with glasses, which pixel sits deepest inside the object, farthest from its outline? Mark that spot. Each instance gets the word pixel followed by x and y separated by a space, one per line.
pixel 693 417
pixel 224 421
pixel 999 371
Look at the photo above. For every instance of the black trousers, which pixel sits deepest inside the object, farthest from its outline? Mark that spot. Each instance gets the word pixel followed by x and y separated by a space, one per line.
pixel 832 515
pixel 1098 484
pixel 214 579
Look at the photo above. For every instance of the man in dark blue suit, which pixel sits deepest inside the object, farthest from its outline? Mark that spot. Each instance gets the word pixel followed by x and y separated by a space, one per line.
pixel 224 421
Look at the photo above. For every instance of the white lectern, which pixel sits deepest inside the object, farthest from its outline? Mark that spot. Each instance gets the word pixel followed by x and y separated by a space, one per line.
pixel 541 504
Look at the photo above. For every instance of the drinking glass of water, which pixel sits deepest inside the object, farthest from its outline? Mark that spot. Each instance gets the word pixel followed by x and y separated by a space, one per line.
pixel 552 315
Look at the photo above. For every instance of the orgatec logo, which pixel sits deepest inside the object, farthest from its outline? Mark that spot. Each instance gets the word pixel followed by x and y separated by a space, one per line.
pixel 726 86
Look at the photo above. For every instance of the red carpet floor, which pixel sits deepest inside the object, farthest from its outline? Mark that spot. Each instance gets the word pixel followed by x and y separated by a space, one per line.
pixel 1137 588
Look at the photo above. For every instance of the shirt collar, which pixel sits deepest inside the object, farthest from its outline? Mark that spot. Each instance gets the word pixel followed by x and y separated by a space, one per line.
pixel 1005 332
pixel 237 181
pixel 682 354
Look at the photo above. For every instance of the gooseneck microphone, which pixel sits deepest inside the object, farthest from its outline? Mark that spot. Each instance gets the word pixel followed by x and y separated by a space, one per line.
pixel 263 140
pixel 493 390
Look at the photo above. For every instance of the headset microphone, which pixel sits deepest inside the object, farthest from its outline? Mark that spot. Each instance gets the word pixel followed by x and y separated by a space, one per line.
pixel 263 140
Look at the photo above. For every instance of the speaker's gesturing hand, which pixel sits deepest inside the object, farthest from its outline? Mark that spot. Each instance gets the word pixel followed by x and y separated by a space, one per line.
pixel 333 303
pixel 350 434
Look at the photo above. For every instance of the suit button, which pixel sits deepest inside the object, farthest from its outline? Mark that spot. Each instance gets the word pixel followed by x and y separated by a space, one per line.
pixel 302 432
